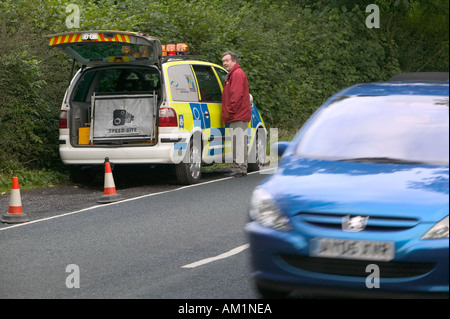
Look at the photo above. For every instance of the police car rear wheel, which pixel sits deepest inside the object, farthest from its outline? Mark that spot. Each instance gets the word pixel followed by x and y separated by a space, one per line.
pixel 260 154
pixel 190 170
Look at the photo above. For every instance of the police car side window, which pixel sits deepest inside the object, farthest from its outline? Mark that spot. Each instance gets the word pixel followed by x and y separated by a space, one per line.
pixel 182 83
pixel 208 85
pixel 82 89
pixel 222 75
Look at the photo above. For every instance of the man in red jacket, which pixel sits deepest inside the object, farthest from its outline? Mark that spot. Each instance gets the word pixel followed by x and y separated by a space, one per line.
pixel 236 111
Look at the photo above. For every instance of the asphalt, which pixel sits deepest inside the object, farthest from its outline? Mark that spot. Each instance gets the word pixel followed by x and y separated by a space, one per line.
pixel 138 248
pixel 130 182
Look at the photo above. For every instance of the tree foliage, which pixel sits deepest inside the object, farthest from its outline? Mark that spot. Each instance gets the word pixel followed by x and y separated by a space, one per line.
pixel 296 53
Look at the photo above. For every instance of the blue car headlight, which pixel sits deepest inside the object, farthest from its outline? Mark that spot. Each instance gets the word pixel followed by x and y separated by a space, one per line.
pixel 439 230
pixel 264 211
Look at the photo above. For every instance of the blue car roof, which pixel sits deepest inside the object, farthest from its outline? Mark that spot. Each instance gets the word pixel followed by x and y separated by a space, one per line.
pixel 397 88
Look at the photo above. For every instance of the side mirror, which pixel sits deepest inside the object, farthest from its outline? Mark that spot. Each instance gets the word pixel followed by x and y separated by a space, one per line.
pixel 280 147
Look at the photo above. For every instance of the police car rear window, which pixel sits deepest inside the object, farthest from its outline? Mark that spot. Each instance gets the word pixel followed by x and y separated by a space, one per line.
pixel 109 51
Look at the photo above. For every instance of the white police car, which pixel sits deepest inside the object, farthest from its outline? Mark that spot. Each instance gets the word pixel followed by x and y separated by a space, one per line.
pixel 136 101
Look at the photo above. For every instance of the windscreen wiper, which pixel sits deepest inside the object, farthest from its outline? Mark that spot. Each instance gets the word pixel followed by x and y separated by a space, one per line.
pixel 381 160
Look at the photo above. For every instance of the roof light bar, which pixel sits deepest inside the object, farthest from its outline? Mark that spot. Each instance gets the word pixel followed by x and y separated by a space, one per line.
pixel 175 49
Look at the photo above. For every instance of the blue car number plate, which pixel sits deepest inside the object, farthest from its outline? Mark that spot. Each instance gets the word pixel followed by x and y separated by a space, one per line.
pixel 352 249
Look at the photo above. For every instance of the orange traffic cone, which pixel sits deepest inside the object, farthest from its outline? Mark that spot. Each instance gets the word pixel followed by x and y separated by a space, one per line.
pixel 15 214
pixel 109 194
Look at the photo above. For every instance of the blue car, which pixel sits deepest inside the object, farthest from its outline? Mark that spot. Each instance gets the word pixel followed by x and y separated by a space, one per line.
pixel 359 204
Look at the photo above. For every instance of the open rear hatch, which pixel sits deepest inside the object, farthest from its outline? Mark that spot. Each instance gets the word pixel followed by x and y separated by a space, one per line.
pixel 92 48
pixel 115 101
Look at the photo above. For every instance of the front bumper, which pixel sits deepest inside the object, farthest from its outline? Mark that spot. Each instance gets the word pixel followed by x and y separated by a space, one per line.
pixel 281 262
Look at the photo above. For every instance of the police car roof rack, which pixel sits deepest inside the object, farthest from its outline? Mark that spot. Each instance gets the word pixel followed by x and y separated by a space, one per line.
pixel 184 58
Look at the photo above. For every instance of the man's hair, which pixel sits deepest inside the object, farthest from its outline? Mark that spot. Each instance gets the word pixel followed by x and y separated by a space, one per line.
pixel 233 55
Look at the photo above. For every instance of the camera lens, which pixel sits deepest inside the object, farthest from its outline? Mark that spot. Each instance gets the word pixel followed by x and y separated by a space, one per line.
pixel 119 117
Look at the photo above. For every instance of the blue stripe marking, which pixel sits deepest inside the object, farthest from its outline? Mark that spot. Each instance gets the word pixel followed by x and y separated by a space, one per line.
pixel 207 120
pixel 179 146
pixel 197 115
pixel 256 119
pixel 198 110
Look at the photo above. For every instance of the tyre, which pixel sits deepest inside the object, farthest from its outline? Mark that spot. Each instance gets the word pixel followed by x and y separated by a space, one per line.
pixel 189 171
pixel 257 157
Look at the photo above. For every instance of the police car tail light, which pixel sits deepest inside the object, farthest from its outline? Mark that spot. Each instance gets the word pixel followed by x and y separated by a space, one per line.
pixel 175 49
pixel 167 117
pixel 63 119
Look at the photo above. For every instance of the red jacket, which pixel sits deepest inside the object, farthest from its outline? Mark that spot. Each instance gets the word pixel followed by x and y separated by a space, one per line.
pixel 235 97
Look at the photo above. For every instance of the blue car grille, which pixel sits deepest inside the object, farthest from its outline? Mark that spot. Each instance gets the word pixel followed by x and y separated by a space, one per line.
pixel 357 268
pixel 376 223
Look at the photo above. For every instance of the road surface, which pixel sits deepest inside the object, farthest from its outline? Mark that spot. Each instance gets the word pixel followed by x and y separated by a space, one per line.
pixel 178 242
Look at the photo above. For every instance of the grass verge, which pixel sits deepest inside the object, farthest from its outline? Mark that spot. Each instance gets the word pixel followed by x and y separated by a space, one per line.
pixel 31 179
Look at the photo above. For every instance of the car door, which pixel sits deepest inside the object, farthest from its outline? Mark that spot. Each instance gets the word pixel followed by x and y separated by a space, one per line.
pixel 210 98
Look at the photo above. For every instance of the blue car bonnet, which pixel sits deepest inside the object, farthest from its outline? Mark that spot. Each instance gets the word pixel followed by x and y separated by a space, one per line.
pixel 309 185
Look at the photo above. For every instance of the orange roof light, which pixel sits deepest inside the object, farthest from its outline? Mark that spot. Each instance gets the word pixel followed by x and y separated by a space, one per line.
pixel 175 49
pixel 182 47
pixel 171 49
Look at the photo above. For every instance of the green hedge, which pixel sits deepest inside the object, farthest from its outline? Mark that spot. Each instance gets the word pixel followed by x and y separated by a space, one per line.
pixel 296 53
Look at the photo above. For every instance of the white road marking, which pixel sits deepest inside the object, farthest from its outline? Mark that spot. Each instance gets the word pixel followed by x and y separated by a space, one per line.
pixel 265 171
pixel 227 254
